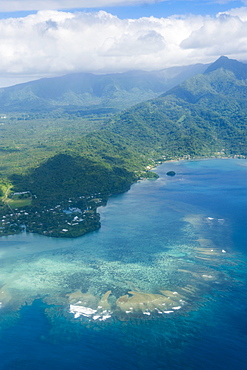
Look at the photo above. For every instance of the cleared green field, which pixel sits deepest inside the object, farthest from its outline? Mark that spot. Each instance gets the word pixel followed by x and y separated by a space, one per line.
pixel 19 203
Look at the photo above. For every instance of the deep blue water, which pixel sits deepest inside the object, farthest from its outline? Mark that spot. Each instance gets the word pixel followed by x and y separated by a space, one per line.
pixel 185 234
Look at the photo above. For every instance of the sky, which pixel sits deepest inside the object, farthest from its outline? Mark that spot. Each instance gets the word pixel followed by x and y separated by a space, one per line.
pixel 46 38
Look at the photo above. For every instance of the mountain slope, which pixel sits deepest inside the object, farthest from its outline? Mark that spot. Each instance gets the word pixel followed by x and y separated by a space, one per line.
pixel 57 177
pixel 239 69
pixel 118 90
pixel 203 115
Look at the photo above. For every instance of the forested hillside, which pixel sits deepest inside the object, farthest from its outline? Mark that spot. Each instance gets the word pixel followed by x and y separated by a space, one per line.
pixel 79 93
pixel 56 170
pixel 205 114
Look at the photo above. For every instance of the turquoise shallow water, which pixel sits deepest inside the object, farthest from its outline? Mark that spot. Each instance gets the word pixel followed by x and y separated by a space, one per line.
pixel 177 243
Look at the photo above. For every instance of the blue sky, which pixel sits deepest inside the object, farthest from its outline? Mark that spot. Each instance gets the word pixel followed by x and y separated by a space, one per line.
pixel 168 8
pixel 157 9
pixel 43 38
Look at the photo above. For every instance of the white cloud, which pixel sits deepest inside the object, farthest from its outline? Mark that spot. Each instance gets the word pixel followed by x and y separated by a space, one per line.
pixel 56 42
pixel 241 13
pixel 18 5
pixel 225 35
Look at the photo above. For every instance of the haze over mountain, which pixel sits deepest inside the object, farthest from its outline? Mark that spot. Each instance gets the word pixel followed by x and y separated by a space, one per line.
pixel 90 91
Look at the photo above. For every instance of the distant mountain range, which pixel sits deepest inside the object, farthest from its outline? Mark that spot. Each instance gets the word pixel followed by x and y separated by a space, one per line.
pixel 89 91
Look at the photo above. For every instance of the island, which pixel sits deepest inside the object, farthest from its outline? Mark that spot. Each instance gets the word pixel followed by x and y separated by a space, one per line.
pixel 171 173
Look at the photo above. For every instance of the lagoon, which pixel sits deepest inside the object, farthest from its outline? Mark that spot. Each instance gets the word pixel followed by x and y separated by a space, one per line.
pixel 162 284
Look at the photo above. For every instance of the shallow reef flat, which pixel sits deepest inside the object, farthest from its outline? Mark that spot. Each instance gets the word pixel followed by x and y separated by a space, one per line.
pixel 151 259
pixel 173 282
pixel 147 303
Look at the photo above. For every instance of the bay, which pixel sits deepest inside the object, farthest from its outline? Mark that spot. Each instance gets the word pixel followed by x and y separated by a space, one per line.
pixel 178 244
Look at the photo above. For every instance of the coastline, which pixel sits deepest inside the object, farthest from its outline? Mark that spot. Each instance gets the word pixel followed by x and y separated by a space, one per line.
pixel 75 222
pixel 196 257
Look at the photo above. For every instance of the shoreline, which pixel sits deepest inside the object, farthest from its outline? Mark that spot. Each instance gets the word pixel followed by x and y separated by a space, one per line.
pixel 79 222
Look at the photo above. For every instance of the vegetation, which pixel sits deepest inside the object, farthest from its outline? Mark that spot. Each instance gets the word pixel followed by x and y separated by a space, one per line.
pixel 203 116
pixel 78 94
pixel 58 165
pixel 64 176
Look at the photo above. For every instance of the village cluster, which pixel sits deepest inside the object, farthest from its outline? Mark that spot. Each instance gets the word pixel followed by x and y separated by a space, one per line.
pixel 63 220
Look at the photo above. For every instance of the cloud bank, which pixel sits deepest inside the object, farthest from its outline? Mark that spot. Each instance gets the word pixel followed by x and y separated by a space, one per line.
pixel 56 42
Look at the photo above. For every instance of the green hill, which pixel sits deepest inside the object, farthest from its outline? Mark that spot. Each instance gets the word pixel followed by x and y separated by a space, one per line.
pixel 205 114
pixel 55 173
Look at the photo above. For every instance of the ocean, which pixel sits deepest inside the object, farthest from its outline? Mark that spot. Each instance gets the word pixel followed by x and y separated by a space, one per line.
pixel 161 285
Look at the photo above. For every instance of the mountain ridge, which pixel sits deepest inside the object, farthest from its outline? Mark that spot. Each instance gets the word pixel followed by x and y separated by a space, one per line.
pixel 58 165
pixel 202 114
pixel 238 68
pixel 116 90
